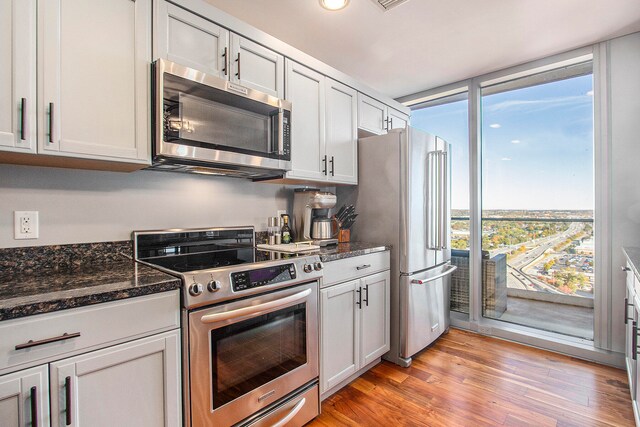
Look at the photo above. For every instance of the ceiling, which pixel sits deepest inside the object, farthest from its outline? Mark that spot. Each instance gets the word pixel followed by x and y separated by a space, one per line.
pixel 422 44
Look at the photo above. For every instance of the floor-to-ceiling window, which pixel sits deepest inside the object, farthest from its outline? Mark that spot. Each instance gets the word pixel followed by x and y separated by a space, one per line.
pixel 447 117
pixel 538 201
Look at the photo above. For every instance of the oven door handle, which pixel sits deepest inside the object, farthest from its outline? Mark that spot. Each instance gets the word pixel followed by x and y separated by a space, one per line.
pixel 291 414
pixel 247 311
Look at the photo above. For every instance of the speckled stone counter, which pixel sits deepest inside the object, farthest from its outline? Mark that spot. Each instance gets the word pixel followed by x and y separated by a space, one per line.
pixel 45 279
pixel 633 255
pixel 348 250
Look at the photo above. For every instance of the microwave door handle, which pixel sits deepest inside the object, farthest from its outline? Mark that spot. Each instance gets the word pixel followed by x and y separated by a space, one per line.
pixel 280 131
pixel 247 311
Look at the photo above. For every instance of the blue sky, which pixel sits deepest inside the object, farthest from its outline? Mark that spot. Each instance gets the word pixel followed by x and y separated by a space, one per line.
pixel 537 146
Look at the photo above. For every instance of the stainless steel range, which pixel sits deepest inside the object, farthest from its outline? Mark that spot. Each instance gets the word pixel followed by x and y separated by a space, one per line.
pixel 250 326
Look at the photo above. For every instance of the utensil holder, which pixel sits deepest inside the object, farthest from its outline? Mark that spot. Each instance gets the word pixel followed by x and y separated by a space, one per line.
pixel 344 236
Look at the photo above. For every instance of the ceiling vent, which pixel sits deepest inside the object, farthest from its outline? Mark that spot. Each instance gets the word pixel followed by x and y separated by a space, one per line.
pixel 388 4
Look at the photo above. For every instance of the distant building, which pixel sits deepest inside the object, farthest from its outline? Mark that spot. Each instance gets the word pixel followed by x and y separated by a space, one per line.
pixel 586 247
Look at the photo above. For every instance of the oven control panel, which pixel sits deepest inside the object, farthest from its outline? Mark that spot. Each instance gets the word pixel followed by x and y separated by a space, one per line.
pixel 243 280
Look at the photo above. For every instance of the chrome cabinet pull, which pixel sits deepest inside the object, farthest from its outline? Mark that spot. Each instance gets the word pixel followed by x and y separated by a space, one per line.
pixel 362 267
pixel 32 343
pixel 359 292
pixel 23 109
pixel 226 62
pixel 34 406
pixel 67 391
pixel 238 61
pixel 51 122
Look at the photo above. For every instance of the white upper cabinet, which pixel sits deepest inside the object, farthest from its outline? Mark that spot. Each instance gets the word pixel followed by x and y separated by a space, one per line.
pixel 256 67
pixel 342 133
pixel 397 120
pixel 372 115
pixel 306 91
pixel 94 60
pixel 190 40
pixel 375 117
pixel 18 76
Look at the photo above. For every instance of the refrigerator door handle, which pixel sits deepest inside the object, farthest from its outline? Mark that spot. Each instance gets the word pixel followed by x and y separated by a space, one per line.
pixel 431 200
pixel 450 269
pixel 442 243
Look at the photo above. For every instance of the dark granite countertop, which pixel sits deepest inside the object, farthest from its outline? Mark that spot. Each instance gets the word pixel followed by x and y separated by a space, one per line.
pixel 633 255
pixel 46 288
pixel 348 250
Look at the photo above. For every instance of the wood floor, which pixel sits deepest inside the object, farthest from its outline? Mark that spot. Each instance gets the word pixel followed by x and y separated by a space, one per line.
pixel 466 379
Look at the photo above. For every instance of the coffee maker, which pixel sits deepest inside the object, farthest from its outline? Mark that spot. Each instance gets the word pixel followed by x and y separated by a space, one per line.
pixel 311 220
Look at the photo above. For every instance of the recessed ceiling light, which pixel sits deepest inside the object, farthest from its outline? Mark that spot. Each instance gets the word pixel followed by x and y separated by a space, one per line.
pixel 334 4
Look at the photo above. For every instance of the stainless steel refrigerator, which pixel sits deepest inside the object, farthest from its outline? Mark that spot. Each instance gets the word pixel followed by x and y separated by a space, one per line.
pixel 403 199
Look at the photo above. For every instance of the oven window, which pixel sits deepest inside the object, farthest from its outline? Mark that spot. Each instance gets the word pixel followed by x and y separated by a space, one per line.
pixel 248 354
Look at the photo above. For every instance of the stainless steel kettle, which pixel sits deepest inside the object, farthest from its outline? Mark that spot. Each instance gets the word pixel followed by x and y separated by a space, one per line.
pixel 321 228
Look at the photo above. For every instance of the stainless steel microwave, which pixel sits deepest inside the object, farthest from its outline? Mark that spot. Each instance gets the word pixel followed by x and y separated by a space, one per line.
pixel 206 124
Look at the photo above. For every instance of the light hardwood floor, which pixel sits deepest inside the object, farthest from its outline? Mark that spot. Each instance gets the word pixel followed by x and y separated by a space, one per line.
pixel 466 379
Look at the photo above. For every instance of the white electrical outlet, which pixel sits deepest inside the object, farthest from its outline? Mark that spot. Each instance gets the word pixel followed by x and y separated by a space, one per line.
pixel 25 225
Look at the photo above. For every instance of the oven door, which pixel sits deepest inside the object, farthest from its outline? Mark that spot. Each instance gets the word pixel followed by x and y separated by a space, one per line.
pixel 247 354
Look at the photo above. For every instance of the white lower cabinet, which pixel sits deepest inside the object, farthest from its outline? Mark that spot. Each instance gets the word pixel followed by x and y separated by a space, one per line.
pixel 24 398
pixel 354 327
pixel 132 384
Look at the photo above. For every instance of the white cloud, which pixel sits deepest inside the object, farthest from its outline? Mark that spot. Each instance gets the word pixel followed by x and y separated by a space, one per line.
pixel 590 93
pixel 540 104
pixel 515 141
pixel 494 125
pixel 506 159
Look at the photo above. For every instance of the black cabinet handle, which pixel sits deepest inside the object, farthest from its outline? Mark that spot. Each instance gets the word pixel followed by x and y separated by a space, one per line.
pixel 390 123
pixel 67 390
pixel 626 310
pixel 359 302
pixel 386 123
pixel 324 163
pixel 225 56
pixel 332 166
pixel 238 61
pixel 32 343
pixel 366 293
pixel 34 406
pixel 51 122
pixel 23 109
pixel 634 340
pixel 624 268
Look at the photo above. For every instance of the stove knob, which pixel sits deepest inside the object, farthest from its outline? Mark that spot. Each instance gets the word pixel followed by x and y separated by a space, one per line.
pixel 307 268
pixel 213 286
pixel 195 289
pixel 317 266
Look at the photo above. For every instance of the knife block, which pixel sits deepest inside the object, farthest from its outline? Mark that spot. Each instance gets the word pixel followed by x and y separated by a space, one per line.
pixel 344 236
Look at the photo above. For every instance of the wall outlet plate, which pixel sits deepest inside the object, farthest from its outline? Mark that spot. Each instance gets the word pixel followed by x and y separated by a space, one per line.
pixel 25 225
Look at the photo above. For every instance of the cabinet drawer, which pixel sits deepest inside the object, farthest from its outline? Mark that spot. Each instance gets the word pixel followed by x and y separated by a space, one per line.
pixel 97 325
pixel 355 267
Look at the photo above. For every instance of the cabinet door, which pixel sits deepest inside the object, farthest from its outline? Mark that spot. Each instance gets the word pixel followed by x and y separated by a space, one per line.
pixel 372 115
pixel 133 384
pixel 340 325
pixel 397 120
pixel 95 72
pixel 24 398
pixel 342 133
pixel 630 323
pixel 374 324
pixel 18 76
pixel 305 90
pixel 189 40
pixel 257 67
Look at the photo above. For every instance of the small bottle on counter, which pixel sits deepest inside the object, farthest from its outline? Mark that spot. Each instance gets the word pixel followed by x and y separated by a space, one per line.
pixel 286 231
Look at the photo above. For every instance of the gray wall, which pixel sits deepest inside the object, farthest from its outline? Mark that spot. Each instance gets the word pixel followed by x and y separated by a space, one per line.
pixel 624 104
pixel 78 206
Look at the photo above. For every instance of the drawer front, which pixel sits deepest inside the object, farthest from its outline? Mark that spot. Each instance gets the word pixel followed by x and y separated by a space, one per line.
pixel 355 267
pixel 89 328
